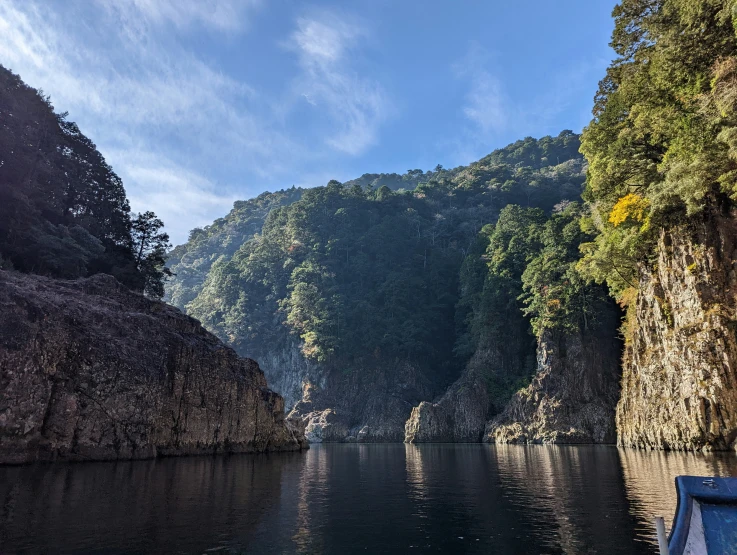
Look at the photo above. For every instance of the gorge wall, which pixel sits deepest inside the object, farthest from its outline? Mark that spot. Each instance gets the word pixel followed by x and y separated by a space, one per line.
pixel 460 414
pixel 571 398
pixel 370 403
pixel 90 371
pixel 679 385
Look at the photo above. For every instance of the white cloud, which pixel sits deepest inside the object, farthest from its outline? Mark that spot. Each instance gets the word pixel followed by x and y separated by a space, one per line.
pixel 492 111
pixel 136 95
pixel 485 103
pixel 356 106
pixel 158 181
pixel 225 15
pixel 123 73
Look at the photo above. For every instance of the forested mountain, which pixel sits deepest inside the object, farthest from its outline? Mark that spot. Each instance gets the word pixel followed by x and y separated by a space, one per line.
pixel 358 276
pixel 192 261
pixel 63 210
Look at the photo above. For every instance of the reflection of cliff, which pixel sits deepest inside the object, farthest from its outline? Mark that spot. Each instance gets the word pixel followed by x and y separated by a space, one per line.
pixel 579 490
pixel 649 479
pixel 313 480
pixel 164 506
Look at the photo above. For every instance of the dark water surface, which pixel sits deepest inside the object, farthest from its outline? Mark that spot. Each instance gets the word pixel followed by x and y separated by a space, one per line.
pixel 389 498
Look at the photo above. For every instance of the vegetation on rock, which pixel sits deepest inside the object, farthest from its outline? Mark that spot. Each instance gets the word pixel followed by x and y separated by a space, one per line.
pixel 63 210
pixel 358 273
pixel 663 142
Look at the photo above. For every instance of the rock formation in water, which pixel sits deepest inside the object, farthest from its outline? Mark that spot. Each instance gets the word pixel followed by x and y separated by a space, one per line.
pixel 461 413
pixel 90 371
pixel 679 385
pixel 371 405
pixel 572 397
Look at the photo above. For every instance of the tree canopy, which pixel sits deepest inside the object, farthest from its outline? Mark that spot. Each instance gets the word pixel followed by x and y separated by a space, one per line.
pixel 663 142
pixel 63 210
pixel 378 268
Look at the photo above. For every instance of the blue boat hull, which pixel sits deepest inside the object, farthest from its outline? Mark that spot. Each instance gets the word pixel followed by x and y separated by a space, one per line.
pixel 706 517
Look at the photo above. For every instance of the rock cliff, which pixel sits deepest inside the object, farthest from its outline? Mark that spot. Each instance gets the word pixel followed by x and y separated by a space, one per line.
pixel 91 371
pixel 461 413
pixel 368 404
pixel 572 397
pixel 679 384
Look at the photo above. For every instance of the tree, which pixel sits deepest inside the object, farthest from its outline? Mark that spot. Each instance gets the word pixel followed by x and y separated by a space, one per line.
pixel 150 245
pixel 63 210
pixel 663 142
pixel 362 273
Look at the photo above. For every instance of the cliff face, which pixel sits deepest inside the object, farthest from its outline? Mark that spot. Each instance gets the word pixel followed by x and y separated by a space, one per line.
pixel 370 404
pixel 572 397
pixel 461 413
pixel 90 371
pixel 679 385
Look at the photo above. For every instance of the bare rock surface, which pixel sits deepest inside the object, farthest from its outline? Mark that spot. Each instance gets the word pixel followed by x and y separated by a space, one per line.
pixel 459 416
pixel 679 385
pixel 92 371
pixel 572 397
pixel 365 405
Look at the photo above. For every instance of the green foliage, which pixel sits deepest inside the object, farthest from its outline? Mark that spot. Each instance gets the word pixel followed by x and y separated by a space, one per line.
pixel 519 282
pixel 192 262
pixel 664 129
pixel 368 271
pixel 489 312
pixel 150 245
pixel 352 276
pixel 63 210
pixel 536 154
pixel 556 295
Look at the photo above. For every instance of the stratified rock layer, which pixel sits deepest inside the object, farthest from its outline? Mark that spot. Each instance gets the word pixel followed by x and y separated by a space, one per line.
pixel 91 371
pixel 679 385
pixel 572 397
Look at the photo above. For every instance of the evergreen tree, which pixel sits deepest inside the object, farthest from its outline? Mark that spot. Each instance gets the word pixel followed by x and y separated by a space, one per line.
pixel 150 246
pixel 63 210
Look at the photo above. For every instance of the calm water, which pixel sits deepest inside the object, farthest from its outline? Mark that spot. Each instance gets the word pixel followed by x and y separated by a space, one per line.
pixel 352 498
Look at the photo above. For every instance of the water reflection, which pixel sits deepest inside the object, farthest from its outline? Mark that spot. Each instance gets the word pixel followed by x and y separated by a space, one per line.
pixel 649 479
pixel 145 506
pixel 578 490
pixel 351 498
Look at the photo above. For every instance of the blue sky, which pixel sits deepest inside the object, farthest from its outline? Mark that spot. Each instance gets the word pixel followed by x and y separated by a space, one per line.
pixel 197 103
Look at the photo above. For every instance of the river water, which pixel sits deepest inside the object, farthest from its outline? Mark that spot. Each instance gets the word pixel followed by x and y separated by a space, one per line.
pixel 347 498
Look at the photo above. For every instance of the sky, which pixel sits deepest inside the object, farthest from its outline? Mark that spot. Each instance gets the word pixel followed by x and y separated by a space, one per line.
pixel 198 103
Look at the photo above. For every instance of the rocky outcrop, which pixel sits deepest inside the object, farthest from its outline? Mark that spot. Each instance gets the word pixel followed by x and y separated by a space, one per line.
pixel 90 371
pixel 461 413
pixel 370 403
pixel 679 384
pixel 287 370
pixel 572 397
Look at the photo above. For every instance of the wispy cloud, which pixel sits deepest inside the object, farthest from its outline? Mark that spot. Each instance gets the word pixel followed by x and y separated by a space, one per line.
pixel 198 200
pixel 492 112
pixel 485 103
pixel 356 106
pixel 227 15
pixel 132 93
pixel 126 74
